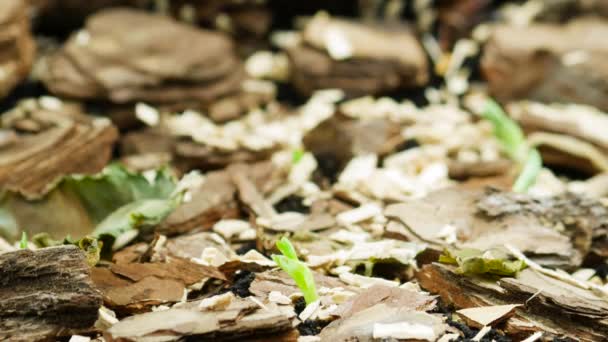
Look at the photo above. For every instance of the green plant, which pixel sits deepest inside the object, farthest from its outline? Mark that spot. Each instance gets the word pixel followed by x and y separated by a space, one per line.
pixel 23 242
pixel 297 155
pixel 296 269
pixel 513 142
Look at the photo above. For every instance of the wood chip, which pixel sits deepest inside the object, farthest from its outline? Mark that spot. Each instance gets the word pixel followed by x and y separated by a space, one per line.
pixel 487 315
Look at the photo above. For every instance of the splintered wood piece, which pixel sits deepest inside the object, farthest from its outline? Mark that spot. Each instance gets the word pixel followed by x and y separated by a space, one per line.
pixel 487 315
pixel 45 294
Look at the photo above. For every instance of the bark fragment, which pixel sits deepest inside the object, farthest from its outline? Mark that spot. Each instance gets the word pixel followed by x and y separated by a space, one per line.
pixel 380 311
pixel 551 305
pixel 46 294
pixel 241 319
pixel 16 44
pixel 549 63
pixel 188 65
pixel 135 287
pixel 51 142
pixel 381 59
pixel 565 224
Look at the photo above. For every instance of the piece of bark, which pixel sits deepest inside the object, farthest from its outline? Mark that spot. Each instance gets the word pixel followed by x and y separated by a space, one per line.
pixel 552 306
pixel 366 325
pixel 343 138
pixel 380 59
pixel 487 315
pixel 248 192
pixel 486 219
pixel 238 320
pixel 580 124
pixel 135 287
pixel 562 10
pixel 16 44
pixel 277 280
pixel 145 141
pixel 216 198
pixel 93 64
pixel 466 170
pixel 59 141
pixel 457 19
pixel 578 214
pixel 549 63
pixel 213 201
pixel 46 294
pixel 198 156
pixel 391 296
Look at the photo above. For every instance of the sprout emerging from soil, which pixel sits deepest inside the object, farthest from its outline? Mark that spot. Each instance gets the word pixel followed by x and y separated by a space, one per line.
pixel 296 269
pixel 513 142
pixel 23 242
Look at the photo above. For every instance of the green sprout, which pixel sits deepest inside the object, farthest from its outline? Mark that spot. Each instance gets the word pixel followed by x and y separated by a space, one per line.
pixel 513 142
pixel 296 269
pixel 297 155
pixel 23 242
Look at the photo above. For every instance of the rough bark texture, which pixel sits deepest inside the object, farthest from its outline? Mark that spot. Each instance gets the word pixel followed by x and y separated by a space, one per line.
pixel 187 64
pixel 551 305
pixel 550 63
pixel 383 59
pixel 49 144
pixel 16 44
pixel 569 225
pixel 46 293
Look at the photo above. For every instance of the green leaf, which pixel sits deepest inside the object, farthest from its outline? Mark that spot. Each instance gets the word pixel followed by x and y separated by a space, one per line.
pixel 105 192
pixel 474 261
pixel 137 215
pixel 513 141
pixel 297 155
pixel 507 131
pixel 92 247
pixel 23 242
pixel 529 173
pixel 113 204
pixel 297 270
pixel 285 246
pixel 42 240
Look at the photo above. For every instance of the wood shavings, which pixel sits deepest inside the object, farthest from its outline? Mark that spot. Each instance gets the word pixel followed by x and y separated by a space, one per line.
pixel 279 298
pixel 362 213
pixel 310 310
pixel 534 337
pixel 217 303
pixel 483 332
pixel 404 330
pixel 487 315
pixel 230 228
pixel 147 114
pixel 365 282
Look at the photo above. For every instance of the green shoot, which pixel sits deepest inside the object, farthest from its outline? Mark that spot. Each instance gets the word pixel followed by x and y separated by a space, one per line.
pixel 296 269
pixel 297 155
pixel 529 172
pixel 23 242
pixel 513 142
